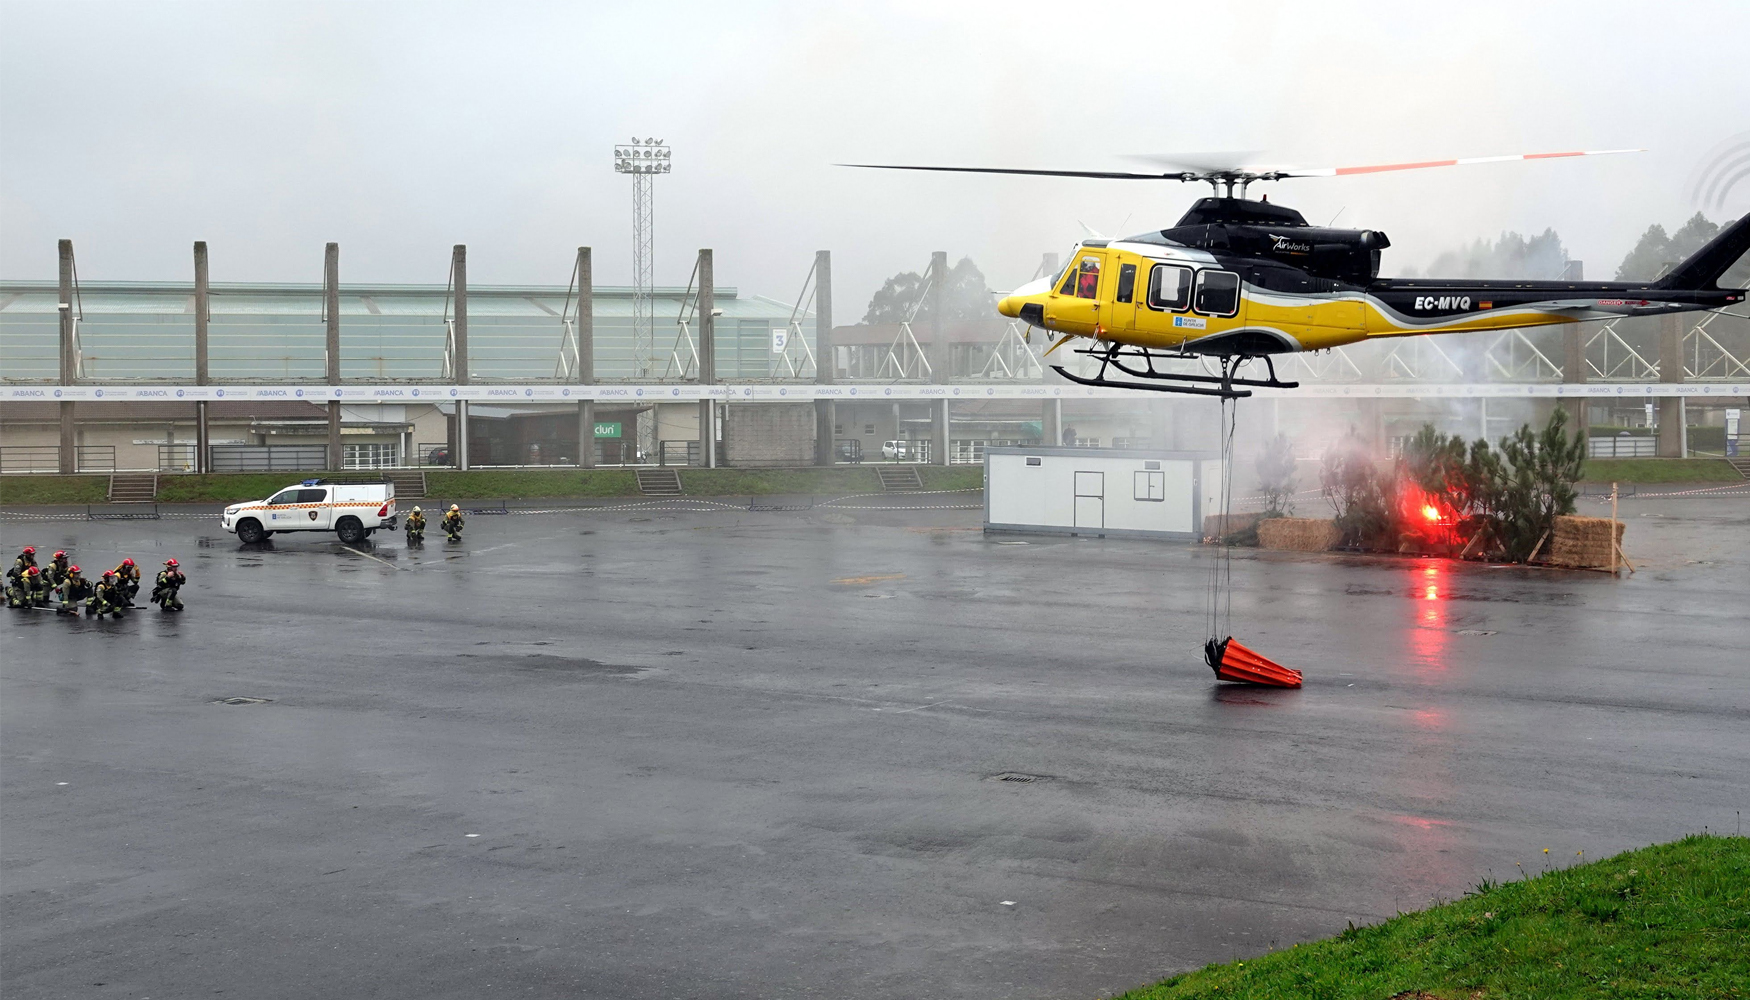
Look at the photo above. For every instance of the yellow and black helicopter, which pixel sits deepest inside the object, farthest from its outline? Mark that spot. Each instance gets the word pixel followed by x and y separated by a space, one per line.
pixel 1237 280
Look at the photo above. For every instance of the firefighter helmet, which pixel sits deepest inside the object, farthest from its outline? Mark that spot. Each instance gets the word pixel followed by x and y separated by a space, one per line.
pixel 456 507
pixel 127 562
pixel 171 563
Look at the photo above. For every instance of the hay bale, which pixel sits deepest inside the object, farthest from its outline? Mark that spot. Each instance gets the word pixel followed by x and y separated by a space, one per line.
pixel 1217 526
pixel 1583 542
pixel 1298 534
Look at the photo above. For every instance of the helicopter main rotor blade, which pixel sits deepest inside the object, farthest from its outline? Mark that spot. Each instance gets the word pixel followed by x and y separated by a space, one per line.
pixel 1102 174
pixel 1380 168
pixel 1231 161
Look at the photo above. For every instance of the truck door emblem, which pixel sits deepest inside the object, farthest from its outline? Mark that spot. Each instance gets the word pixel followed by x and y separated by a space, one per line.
pixel 312 515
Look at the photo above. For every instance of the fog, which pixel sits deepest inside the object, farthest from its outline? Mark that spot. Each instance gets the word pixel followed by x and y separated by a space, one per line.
pixel 400 129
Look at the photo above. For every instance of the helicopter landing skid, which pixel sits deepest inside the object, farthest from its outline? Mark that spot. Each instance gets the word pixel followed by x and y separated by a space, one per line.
pixel 1220 385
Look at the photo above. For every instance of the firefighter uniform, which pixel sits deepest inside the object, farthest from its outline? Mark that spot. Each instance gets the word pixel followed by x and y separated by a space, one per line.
pixel 108 599
pixel 127 578
pixel 74 588
pixel 56 570
pixel 453 522
pixel 164 589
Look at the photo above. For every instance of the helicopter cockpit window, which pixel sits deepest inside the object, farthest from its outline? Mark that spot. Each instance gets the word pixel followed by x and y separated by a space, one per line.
pixel 1218 293
pixel 1068 285
pixel 1088 278
pixel 1169 287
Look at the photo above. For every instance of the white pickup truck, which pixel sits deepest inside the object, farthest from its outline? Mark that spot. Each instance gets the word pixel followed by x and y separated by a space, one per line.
pixel 351 510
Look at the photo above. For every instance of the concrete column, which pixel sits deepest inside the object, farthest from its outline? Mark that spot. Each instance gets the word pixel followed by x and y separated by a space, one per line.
pixel 938 332
pixel 1673 435
pixel 331 311
pixel 823 350
pixel 335 455
pixel 708 433
pixel 939 431
pixel 203 461
pixel 1574 370
pixel 825 417
pixel 585 317
pixel 202 312
pixel 586 433
pixel 585 357
pixel 459 271
pixel 69 454
pixel 460 455
pixel 1051 423
pixel 707 322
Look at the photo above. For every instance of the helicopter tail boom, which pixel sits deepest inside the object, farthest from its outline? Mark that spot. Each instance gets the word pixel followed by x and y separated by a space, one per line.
pixel 1702 271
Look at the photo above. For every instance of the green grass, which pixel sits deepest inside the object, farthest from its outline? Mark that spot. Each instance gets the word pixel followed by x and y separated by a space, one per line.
pixel 46 490
pixel 493 484
pixel 1664 922
pixel 1659 470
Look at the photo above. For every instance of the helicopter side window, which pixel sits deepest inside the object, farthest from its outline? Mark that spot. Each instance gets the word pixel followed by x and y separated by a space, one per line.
pixel 1126 283
pixel 1218 293
pixel 1169 287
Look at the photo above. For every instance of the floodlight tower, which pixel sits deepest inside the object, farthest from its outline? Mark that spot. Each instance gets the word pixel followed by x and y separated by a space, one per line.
pixel 643 159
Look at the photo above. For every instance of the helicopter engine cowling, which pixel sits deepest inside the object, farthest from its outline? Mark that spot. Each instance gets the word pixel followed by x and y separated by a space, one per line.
pixel 1349 255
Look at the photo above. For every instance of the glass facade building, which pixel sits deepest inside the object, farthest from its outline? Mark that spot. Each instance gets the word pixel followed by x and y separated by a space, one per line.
pixel 144 332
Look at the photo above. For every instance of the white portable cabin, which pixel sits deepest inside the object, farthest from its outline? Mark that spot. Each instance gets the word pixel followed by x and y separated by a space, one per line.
pixel 1100 491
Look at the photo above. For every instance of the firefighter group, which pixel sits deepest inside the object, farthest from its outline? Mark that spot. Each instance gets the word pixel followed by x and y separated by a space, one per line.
pixel 452 525
pixel 62 586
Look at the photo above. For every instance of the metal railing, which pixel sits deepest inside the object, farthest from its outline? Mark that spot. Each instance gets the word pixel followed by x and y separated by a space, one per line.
pixel 1631 446
pixel 269 457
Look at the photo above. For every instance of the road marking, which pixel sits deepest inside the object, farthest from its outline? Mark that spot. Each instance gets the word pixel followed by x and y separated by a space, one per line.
pixel 367 555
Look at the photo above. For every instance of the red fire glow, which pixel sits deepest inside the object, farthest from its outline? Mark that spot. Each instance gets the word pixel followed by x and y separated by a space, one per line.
pixel 1425 516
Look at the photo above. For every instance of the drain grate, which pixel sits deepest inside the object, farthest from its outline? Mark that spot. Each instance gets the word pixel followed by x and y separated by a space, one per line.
pixel 242 701
pixel 1020 776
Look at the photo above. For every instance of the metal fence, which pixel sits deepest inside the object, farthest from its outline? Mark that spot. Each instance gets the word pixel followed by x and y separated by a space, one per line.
pixel 1622 447
pixel 47 458
pixel 269 458
pixel 176 457
pixel 685 452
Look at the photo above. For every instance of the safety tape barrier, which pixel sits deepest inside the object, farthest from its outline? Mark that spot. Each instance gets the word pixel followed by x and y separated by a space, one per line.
pixel 657 392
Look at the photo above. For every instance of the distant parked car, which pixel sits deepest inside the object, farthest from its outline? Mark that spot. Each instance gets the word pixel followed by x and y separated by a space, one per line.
pixel 894 450
pixel 438 456
pixel 849 450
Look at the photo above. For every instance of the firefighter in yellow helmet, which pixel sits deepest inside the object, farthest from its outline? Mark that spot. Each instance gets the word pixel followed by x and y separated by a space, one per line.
pixel 453 523
pixel 416 527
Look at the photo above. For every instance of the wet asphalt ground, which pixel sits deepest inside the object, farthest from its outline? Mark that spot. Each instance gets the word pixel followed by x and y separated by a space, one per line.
pixel 724 753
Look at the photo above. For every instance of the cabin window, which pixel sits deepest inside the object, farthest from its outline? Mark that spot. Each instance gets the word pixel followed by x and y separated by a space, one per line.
pixel 1069 281
pixel 284 497
pixel 1088 278
pixel 1218 293
pixel 312 496
pixel 1169 287
pixel 1127 282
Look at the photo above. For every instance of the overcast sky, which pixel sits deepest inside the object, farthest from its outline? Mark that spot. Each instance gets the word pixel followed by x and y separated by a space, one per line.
pixel 398 129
